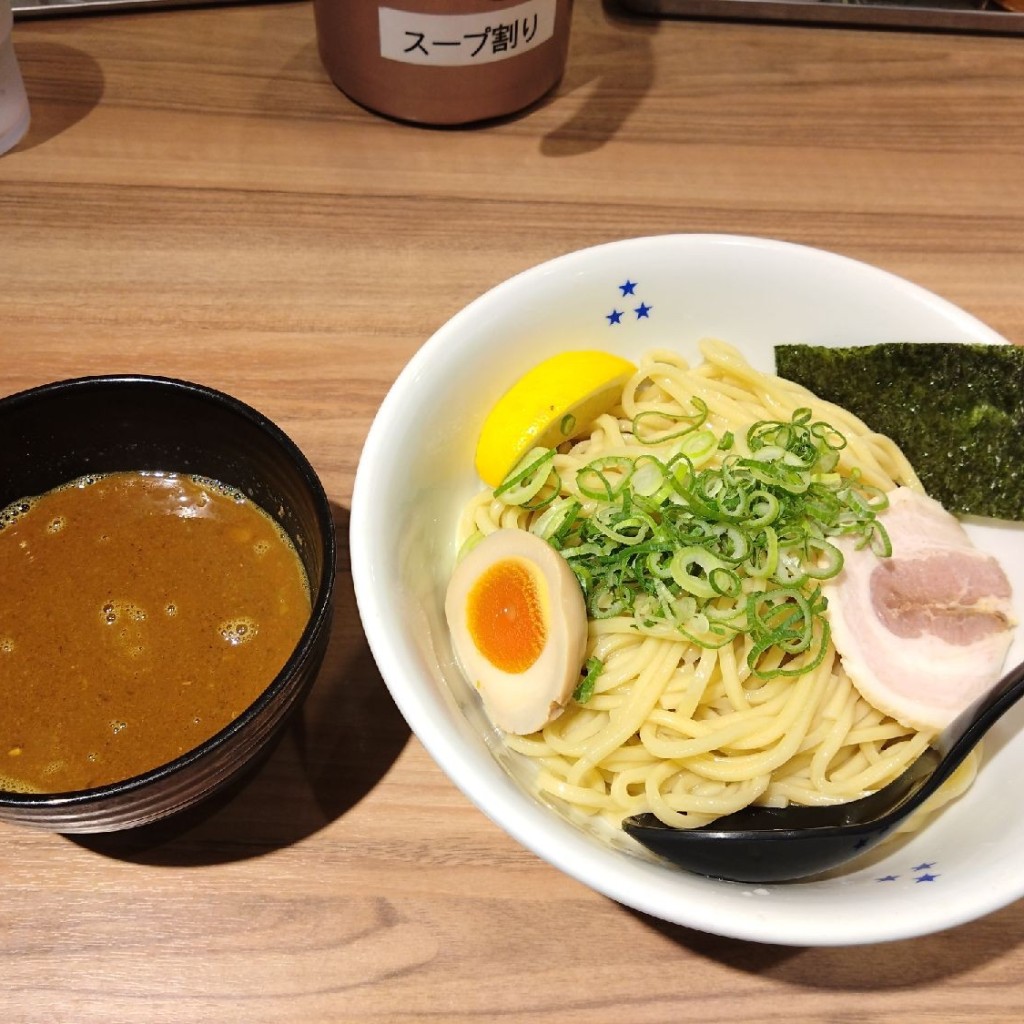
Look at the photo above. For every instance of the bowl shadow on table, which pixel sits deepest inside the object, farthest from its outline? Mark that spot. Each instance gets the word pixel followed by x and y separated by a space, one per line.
pixel 331 754
pixel 901 965
pixel 63 85
pixel 612 86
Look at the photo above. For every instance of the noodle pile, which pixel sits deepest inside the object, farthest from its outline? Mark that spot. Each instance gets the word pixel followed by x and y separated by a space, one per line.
pixel 692 732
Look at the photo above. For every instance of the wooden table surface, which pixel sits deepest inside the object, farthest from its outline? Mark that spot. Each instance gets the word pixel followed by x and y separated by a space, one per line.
pixel 195 198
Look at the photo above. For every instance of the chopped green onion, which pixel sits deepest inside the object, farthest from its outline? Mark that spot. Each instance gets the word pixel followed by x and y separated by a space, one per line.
pixel 588 680
pixel 527 478
pixel 673 430
pixel 708 551
pixel 604 479
pixel 556 520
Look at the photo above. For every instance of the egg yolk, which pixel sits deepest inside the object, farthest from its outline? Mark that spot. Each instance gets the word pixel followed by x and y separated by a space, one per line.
pixel 505 616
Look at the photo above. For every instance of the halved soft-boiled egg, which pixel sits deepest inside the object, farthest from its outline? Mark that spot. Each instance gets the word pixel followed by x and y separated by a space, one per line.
pixel 518 624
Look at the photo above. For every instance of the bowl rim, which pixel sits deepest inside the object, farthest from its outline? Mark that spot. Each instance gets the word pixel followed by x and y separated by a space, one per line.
pixel 321 600
pixel 520 816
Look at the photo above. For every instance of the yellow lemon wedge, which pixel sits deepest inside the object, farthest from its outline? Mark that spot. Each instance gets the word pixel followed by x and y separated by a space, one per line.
pixel 554 401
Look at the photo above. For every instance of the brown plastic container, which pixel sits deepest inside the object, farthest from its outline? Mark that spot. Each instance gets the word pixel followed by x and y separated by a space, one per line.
pixel 444 62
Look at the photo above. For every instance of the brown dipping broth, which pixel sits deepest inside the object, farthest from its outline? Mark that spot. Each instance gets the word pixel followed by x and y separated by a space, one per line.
pixel 140 613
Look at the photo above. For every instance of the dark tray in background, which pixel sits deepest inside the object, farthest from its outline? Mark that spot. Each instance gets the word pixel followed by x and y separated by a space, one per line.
pixel 955 15
pixel 24 9
pixel 945 15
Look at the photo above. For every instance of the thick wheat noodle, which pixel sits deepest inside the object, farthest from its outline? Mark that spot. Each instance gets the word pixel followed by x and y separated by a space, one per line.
pixel 687 732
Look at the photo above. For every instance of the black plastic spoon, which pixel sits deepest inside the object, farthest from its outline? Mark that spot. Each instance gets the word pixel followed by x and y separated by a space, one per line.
pixel 778 844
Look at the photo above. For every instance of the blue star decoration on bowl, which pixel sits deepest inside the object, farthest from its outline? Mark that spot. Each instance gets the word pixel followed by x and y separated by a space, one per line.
pixel 920 872
pixel 641 312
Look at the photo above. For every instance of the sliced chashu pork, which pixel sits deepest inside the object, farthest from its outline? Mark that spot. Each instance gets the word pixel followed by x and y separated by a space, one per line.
pixel 924 632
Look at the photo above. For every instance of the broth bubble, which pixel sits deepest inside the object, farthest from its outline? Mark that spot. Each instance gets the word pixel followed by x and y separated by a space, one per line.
pixel 113 611
pixel 13 512
pixel 239 631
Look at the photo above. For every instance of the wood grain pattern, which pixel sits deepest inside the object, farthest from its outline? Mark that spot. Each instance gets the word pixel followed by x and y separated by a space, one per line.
pixel 195 198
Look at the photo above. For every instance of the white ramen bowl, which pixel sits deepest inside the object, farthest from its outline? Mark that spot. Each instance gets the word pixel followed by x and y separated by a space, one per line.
pixel 416 473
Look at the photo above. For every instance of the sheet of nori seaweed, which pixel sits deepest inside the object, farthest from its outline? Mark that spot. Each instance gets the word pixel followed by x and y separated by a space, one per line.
pixel 956 410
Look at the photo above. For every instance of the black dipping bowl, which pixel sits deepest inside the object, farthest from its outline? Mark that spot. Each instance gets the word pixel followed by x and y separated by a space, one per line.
pixel 61 431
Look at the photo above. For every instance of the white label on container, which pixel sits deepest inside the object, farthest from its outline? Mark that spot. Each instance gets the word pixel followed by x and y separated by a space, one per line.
pixel 465 39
